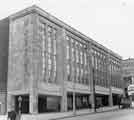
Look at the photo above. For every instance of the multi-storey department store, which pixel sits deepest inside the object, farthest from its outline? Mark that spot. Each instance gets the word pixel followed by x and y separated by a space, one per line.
pixel 53 67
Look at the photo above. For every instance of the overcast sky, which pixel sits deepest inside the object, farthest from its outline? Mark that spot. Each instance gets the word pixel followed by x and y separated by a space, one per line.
pixel 109 22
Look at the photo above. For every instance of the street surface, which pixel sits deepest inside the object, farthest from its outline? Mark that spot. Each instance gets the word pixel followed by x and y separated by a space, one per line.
pixel 127 114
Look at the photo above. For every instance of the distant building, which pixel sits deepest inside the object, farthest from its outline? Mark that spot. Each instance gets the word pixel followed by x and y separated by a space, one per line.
pixel 128 71
pixel 128 76
pixel 53 67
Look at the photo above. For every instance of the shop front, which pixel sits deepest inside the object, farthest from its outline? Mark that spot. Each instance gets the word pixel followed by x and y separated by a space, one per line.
pixel 82 101
pixel 131 94
pixel 101 100
pixel 48 104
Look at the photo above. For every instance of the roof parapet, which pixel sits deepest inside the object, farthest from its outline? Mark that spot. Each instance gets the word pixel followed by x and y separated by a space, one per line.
pixel 38 10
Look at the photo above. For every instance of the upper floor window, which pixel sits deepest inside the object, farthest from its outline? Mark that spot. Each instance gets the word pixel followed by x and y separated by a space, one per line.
pixel 73 58
pixel 81 57
pixel 68 53
pixel 54 41
pixel 85 58
pixel 68 72
pixel 48 34
pixel 49 42
pixel 77 55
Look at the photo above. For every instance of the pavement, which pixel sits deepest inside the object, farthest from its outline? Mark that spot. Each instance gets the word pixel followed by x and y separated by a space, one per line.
pixel 126 114
pixel 116 114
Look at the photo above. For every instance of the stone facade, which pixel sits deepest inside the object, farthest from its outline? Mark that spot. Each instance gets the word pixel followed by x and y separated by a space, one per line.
pixel 28 63
pixel 20 34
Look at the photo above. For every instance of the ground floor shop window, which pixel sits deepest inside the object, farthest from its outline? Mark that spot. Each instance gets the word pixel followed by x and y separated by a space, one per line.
pixel 101 100
pixel 81 101
pixel 105 100
pixel 115 99
pixel 132 97
pixel 48 104
pixel 70 101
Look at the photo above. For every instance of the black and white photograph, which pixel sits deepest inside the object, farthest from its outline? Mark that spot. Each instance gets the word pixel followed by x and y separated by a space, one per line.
pixel 67 60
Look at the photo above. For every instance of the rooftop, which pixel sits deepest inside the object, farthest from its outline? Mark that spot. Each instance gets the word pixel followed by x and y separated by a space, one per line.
pixel 45 14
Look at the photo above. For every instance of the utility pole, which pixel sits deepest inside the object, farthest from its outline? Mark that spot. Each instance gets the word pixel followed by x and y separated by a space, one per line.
pixel 94 92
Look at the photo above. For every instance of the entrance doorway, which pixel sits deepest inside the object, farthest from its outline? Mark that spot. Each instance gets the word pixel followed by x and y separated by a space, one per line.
pixel 48 103
pixel 24 103
pixel 115 99
pixel 81 101
pixel 101 100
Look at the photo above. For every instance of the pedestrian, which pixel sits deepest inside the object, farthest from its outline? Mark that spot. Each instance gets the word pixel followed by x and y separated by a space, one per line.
pixel 119 102
pixel 12 115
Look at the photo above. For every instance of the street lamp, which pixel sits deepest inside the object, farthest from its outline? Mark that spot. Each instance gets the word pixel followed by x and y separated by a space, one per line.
pixel 20 101
pixel 94 92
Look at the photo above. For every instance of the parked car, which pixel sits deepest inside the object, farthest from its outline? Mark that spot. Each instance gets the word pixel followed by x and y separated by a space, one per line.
pixel 125 103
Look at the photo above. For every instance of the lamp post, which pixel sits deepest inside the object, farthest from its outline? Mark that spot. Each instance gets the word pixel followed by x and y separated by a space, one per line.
pixel 20 101
pixel 94 92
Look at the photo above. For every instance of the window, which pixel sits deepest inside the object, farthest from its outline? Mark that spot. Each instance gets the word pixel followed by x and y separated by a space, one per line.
pixel 54 41
pixel 77 74
pixel 70 101
pixel 54 69
pixel 49 39
pixel 49 104
pixel 67 52
pixel 82 75
pixel 72 50
pixel 73 54
pixel 49 54
pixel 86 77
pixel 44 66
pixel 85 58
pixel 68 48
pixel 77 56
pixel 68 72
pixel 81 57
pixel 49 67
pixel 82 101
pixel 42 37
pixel 72 72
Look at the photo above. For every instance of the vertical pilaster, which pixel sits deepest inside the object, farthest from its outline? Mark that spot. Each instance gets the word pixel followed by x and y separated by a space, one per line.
pixel 110 97
pixel 92 83
pixel 61 63
pixel 33 99
pixel 122 84
pixel 74 100
pixel 64 70
pixel 10 102
pixel 35 65
pixel 75 80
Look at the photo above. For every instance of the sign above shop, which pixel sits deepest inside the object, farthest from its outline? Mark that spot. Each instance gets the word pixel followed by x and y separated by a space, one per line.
pixel 131 89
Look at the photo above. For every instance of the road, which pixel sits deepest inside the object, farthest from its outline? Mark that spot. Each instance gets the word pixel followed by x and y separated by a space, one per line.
pixel 127 114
